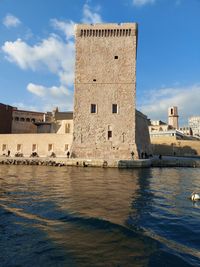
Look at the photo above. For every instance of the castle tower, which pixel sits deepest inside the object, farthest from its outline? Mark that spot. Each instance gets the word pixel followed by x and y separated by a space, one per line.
pixel 173 117
pixel 105 85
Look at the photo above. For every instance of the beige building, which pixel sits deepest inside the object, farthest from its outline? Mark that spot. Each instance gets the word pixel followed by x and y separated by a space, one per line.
pixel 194 124
pixel 105 85
pixel 42 144
pixel 173 117
pixel 23 121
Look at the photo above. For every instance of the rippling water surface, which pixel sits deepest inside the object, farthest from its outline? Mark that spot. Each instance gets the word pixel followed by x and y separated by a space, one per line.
pixel 98 217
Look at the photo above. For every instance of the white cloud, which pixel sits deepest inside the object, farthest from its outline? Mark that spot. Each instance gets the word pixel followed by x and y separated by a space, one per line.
pixel 90 16
pixel 54 55
pixel 142 2
pixel 156 102
pixel 11 21
pixel 57 96
pixel 38 90
pixel 66 27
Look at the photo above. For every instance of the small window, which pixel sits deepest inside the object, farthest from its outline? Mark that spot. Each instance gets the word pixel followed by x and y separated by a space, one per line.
pixel 66 147
pixel 114 108
pixel 34 148
pixel 19 147
pixel 67 128
pixel 93 108
pixel 109 135
pixel 94 80
pixel 171 111
pixel 116 57
pixel 50 147
pixel 4 147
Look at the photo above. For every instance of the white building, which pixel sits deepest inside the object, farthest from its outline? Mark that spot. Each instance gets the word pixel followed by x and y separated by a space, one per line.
pixel 194 123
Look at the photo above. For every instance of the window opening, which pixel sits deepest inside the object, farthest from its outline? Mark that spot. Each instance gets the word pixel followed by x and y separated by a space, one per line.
pixel 67 128
pixel 50 147
pixel 19 147
pixel 34 147
pixel 4 147
pixel 109 135
pixel 114 108
pixel 66 147
pixel 93 108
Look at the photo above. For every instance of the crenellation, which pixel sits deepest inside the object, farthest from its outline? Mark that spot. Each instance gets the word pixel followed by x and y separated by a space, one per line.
pixel 101 31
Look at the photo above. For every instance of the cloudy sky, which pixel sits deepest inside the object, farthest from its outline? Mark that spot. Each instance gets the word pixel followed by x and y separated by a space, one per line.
pixel 37 52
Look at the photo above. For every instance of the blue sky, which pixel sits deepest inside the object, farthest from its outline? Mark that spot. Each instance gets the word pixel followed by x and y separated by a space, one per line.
pixel 37 52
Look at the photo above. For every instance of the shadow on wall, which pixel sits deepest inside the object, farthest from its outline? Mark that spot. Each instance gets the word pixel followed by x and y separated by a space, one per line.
pixel 173 150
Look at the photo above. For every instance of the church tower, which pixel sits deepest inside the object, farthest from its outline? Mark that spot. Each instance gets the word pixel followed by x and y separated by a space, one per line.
pixel 173 117
pixel 105 85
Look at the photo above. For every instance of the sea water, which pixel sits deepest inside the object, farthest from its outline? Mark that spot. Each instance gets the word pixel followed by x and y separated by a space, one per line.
pixel 73 216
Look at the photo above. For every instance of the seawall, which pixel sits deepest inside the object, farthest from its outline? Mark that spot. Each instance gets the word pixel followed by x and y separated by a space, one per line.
pixel 124 164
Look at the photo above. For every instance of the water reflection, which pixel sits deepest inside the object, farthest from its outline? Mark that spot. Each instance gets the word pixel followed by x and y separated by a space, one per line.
pixel 95 217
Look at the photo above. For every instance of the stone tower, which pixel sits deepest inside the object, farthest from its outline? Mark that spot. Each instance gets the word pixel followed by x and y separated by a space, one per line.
pixel 173 117
pixel 105 85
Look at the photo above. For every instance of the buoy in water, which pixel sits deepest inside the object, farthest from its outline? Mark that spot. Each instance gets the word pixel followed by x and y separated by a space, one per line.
pixel 195 196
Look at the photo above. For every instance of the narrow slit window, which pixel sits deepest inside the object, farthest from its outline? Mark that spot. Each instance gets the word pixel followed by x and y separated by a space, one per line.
pixel 93 108
pixel 114 108
pixel 4 147
pixel 66 147
pixel 67 128
pixel 34 148
pixel 19 147
pixel 109 135
pixel 50 147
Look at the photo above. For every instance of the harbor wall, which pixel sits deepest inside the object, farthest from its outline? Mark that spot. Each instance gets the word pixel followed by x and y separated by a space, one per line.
pixel 170 146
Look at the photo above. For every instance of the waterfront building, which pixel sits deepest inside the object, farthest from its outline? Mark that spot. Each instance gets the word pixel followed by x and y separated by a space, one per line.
pixel 105 87
pixel 194 123
pixel 23 121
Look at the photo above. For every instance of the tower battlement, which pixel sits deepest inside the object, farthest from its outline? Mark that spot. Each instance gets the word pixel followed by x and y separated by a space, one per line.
pixel 106 30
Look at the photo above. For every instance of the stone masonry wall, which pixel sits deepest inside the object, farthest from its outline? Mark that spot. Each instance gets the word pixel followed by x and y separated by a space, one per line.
pixel 142 134
pixel 105 75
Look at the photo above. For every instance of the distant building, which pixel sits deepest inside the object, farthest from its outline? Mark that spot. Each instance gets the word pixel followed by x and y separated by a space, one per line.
pixel 5 118
pixel 194 123
pixel 24 121
pixel 159 129
pixel 159 126
pixel 186 130
pixel 173 117
pixel 59 123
